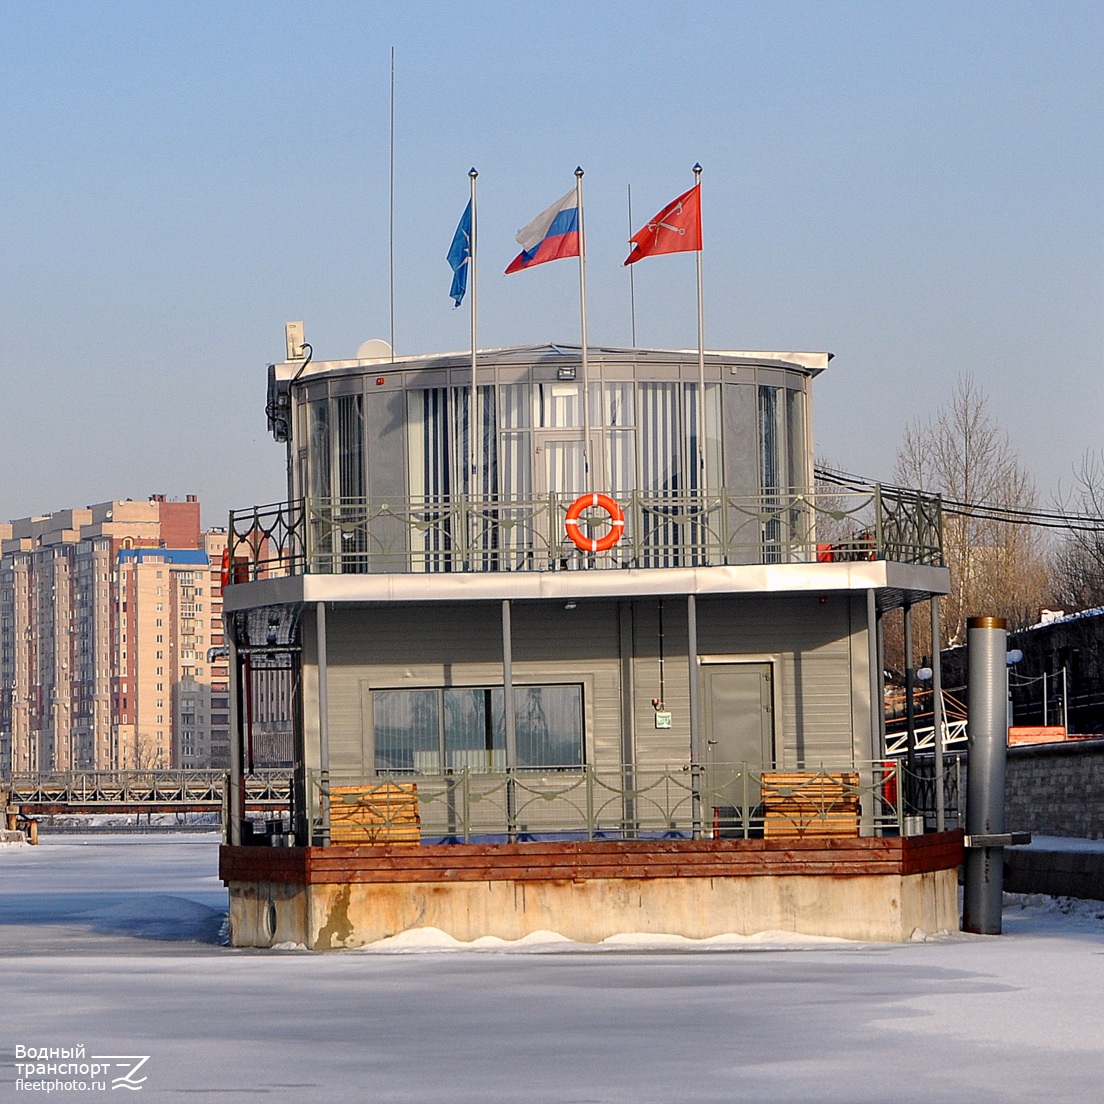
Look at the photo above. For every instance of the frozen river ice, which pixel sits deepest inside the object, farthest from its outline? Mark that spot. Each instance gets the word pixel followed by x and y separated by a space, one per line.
pixel 112 942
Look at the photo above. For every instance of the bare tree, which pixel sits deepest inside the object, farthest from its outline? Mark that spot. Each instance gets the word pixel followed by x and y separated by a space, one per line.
pixel 833 507
pixel 1077 565
pixel 142 753
pixel 997 568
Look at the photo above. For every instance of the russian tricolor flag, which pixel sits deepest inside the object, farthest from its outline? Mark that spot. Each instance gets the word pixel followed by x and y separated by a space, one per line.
pixel 553 234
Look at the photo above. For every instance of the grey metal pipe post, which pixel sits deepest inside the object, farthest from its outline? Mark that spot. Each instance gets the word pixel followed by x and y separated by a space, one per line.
pixel 875 658
pixel 510 718
pixel 908 790
pixel 937 716
pixel 987 706
pixel 1065 701
pixel 323 723
pixel 628 721
pixel 236 787
pixel 695 715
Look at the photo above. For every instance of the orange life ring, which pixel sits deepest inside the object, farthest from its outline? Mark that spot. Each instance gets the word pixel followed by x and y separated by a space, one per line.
pixel 592 544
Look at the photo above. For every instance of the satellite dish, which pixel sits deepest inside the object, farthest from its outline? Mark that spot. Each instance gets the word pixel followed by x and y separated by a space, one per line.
pixel 374 349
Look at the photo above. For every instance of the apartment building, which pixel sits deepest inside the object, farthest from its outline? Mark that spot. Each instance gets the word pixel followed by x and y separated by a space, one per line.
pixel 106 617
pixel 171 704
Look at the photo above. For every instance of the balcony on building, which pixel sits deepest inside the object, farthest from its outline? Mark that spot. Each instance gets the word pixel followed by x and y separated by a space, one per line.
pixel 393 470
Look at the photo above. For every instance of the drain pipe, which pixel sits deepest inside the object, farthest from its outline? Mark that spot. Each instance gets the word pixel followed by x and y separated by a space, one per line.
pixel 986 838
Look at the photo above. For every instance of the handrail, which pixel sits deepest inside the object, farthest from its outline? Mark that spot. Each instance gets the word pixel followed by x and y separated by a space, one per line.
pixel 517 533
pixel 89 789
pixel 619 801
pixel 954 733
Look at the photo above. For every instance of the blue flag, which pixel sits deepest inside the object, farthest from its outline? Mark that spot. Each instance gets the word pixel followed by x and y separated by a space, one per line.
pixel 459 255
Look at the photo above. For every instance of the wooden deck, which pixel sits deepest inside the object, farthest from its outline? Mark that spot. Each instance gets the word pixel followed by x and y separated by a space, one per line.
pixel 574 862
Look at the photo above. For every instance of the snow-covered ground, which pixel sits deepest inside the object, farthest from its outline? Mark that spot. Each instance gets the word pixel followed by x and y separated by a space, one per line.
pixel 112 943
pixel 1062 843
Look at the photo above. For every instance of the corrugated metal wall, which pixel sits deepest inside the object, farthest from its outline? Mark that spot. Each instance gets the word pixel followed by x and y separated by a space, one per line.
pixel 821 667
pixel 817 645
pixel 401 647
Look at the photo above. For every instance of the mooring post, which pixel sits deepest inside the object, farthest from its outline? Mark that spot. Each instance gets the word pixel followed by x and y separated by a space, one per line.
pixel 987 735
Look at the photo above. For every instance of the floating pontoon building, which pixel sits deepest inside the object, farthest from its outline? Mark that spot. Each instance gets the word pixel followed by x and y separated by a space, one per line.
pixel 578 648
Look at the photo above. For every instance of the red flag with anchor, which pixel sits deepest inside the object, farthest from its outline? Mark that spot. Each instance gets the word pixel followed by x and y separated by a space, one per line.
pixel 676 229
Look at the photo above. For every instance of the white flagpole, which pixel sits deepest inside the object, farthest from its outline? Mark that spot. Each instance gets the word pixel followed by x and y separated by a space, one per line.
pixel 473 419
pixel 582 312
pixel 632 283
pixel 391 211
pixel 701 353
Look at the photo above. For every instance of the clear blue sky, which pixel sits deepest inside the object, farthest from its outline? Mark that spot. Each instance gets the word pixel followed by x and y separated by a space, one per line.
pixel 914 187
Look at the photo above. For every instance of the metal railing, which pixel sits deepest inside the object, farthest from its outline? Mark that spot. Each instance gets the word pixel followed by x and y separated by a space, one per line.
pixel 617 802
pixel 954 791
pixel 138 790
pixel 954 735
pixel 509 533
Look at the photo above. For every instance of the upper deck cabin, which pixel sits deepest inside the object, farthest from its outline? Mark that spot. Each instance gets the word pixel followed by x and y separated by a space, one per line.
pixel 394 470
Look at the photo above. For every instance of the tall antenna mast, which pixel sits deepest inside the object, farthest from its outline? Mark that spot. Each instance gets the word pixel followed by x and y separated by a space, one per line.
pixel 391 212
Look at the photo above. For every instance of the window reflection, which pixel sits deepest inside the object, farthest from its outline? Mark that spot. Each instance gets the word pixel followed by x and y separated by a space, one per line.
pixel 425 731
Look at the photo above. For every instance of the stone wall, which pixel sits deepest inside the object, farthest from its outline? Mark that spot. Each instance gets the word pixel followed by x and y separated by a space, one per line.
pixel 1056 789
pixel 1050 790
pixel 1058 873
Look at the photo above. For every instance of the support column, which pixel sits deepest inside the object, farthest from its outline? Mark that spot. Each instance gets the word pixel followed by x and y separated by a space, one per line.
pixel 695 712
pixel 876 744
pixel 625 615
pixel 323 725
pixel 235 798
pixel 937 715
pixel 987 705
pixel 909 789
pixel 877 701
pixel 510 718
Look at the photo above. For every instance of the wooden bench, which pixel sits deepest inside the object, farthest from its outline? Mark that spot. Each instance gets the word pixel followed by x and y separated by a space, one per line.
pixel 387 813
pixel 797 804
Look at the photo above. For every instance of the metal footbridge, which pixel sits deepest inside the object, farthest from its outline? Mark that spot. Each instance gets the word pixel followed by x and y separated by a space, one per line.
pixel 140 791
pixel 954 737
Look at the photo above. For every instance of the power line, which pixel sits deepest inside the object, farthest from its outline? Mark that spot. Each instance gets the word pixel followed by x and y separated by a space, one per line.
pixel 980 511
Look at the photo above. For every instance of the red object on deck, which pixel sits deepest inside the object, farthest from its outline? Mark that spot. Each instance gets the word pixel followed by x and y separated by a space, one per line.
pixel 890 788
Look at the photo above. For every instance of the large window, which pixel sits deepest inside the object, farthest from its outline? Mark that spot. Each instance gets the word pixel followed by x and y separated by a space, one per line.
pixel 427 731
pixel 318 414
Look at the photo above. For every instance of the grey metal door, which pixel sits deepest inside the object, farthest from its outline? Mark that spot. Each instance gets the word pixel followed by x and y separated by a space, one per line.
pixel 738 715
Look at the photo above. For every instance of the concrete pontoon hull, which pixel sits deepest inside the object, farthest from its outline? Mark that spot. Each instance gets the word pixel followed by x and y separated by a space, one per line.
pixel 343 897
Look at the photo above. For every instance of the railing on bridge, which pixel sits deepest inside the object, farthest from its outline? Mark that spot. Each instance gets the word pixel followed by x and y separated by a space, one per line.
pixel 954 726
pixel 509 533
pixel 954 735
pixel 142 790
